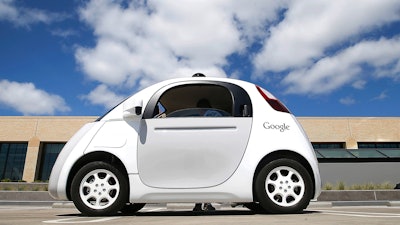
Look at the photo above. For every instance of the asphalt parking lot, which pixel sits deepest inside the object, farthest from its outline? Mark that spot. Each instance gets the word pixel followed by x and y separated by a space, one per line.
pixel 31 215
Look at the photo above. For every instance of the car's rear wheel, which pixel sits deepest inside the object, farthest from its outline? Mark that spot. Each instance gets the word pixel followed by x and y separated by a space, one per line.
pixel 99 189
pixel 283 186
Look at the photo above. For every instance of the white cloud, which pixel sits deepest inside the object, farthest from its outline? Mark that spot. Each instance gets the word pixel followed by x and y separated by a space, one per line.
pixel 331 73
pixel 381 96
pixel 359 84
pixel 102 95
pixel 64 33
pixel 347 100
pixel 7 9
pixel 254 17
pixel 145 42
pixel 134 44
pixel 391 71
pixel 27 99
pixel 311 27
pixel 306 42
pixel 24 17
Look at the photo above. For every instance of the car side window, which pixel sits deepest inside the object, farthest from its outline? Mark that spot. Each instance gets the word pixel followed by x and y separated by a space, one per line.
pixel 195 100
pixel 160 111
pixel 199 99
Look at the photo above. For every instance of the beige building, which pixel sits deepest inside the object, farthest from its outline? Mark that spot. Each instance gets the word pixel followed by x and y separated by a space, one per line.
pixel 29 145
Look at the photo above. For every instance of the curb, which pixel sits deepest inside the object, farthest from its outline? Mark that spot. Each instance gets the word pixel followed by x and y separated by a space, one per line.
pixel 394 204
pixel 26 203
pixel 360 195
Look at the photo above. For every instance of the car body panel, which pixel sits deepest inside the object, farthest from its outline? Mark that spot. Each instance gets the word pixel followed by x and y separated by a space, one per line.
pixel 191 152
pixel 71 152
pixel 123 144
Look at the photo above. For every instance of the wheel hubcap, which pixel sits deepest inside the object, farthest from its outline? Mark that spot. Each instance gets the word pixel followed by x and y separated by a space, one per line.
pixel 285 186
pixel 99 189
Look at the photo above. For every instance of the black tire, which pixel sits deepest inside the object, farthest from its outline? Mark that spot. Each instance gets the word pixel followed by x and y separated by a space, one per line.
pixel 99 189
pixel 255 207
pixel 283 186
pixel 132 208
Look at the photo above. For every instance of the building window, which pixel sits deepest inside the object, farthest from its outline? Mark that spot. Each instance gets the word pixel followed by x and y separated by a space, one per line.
pixel 326 145
pixel 379 145
pixel 50 152
pixel 12 160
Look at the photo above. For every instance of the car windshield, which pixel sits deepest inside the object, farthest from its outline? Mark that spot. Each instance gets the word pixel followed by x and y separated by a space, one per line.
pixel 105 114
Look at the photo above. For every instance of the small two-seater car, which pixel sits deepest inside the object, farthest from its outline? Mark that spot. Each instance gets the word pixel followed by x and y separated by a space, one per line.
pixel 196 139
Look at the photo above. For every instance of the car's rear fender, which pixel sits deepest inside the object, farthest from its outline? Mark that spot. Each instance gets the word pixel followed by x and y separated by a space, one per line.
pixel 288 155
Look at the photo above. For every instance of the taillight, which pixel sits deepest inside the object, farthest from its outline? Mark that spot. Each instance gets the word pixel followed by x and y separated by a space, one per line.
pixel 274 103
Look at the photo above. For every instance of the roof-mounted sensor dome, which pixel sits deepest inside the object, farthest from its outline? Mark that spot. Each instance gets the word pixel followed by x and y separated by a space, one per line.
pixel 198 75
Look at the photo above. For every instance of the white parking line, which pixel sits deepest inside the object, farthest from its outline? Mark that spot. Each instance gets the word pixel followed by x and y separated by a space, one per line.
pixel 361 214
pixel 92 220
pixel 21 208
pixel 80 220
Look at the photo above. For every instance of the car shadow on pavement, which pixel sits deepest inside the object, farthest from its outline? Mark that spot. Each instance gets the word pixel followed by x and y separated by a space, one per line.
pixel 211 213
pixel 191 213
pixel 172 213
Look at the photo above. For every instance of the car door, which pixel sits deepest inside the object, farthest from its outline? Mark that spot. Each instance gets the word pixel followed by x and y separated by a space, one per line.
pixel 186 145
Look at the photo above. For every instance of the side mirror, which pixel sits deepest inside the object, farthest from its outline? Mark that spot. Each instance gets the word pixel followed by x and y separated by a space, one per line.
pixel 132 108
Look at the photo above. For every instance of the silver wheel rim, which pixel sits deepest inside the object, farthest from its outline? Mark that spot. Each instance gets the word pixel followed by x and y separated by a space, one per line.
pixel 99 189
pixel 285 186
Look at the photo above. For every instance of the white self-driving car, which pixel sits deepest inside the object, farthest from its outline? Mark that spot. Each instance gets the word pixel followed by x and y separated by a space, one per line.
pixel 196 139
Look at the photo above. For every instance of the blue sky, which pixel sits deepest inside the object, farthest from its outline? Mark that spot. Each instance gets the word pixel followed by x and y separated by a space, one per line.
pixel 321 58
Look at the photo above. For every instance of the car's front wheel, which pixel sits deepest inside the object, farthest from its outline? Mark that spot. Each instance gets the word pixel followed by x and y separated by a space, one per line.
pixel 99 189
pixel 132 208
pixel 283 186
pixel 254 206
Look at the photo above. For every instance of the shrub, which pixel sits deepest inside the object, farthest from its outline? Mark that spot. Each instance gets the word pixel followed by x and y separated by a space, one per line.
pixel 328 186
pixel 367 186
pixel 341 186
